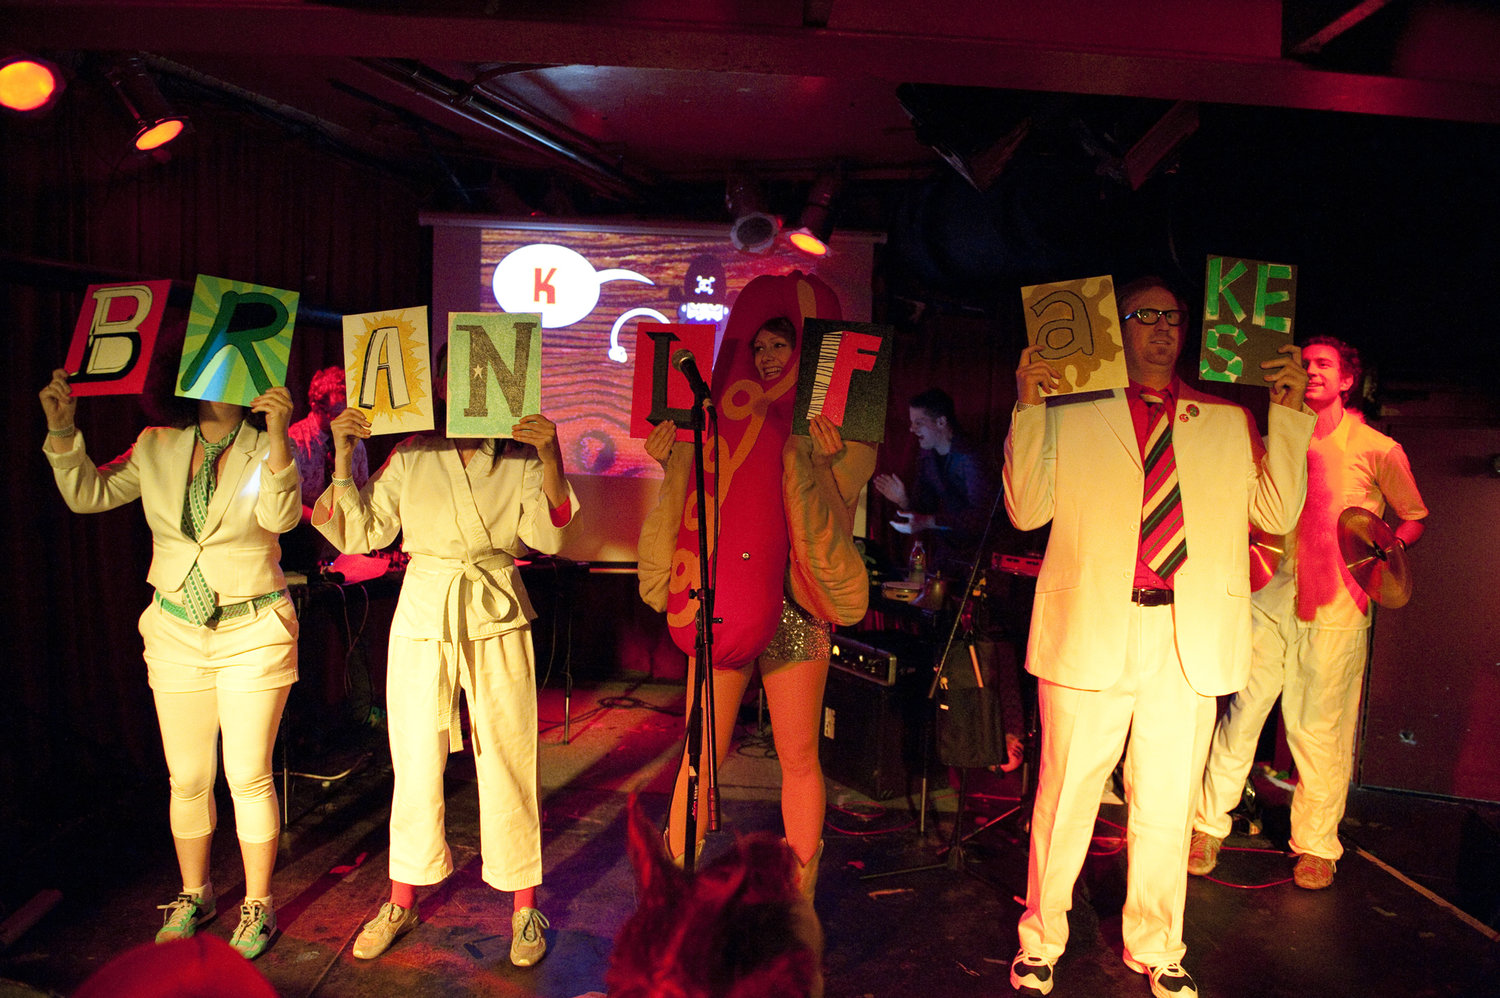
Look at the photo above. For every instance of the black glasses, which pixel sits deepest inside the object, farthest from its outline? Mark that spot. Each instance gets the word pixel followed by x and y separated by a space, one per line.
pixel 1174 316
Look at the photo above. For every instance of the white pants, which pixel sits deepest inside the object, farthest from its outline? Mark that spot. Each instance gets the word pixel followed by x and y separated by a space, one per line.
pixel 1318 673
pixel 499 682
pixel 1083 733
pixel 232 678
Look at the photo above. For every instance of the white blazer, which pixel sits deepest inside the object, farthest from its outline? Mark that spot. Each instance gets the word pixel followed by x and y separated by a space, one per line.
pixel 1077 464
pixel 238 547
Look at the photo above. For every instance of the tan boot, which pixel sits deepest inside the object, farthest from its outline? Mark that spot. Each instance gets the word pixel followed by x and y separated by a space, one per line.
pixel 807 873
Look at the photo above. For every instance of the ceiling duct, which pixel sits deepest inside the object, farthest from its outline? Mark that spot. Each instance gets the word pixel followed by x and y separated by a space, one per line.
pixel 507 119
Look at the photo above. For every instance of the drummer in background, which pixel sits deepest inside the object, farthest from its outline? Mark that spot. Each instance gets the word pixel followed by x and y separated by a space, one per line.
pixel 1311 625
pixel 952 497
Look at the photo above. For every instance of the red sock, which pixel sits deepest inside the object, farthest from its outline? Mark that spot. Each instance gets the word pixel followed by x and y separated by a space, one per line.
pixel 403 895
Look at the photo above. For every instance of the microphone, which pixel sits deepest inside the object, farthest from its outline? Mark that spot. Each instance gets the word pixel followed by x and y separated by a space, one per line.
pixel 683 361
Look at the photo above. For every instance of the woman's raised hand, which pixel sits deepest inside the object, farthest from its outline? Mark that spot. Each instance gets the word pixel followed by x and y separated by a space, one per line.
pixel 58 402
pixel 827 440
pixel 659 441
pixel 276 403
pixel 346 427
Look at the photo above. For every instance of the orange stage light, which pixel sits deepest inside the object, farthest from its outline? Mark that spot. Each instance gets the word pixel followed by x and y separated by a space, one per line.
pixel 807 242
pixel 28 84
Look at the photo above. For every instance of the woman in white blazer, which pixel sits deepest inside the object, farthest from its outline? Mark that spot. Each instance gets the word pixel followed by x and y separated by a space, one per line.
pixel 220 634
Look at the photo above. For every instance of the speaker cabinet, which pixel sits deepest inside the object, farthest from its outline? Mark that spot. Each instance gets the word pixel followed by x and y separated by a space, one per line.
pixel 872 733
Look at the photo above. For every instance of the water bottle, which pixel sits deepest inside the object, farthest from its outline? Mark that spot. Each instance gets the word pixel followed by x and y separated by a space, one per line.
pixel 917 570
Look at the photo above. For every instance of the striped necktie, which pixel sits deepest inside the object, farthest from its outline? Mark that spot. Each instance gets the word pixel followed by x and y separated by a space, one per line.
pixel 1163 537
pixel 199 601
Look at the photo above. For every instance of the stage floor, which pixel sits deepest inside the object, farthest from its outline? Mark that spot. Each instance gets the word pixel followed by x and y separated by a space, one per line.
pixel 1384 928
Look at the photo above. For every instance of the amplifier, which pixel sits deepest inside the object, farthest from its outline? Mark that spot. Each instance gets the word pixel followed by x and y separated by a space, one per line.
pixel 882 657
pixel 865 661
pixel 871 733
pixel 1017 564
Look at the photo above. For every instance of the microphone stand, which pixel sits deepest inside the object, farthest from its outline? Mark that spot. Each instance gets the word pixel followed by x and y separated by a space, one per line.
pixel 700 720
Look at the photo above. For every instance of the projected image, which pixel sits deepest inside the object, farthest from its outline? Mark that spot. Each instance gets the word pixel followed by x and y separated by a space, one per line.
pixel 593 284
pixel 592 287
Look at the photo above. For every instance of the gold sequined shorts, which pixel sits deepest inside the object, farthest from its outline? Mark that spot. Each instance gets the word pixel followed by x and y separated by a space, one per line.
pixel 800 637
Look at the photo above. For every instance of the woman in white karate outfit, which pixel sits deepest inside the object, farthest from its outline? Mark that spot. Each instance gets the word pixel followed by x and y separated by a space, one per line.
pixel 466 508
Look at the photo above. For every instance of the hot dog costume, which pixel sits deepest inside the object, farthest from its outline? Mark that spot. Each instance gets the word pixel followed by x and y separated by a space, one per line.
pixel 781 524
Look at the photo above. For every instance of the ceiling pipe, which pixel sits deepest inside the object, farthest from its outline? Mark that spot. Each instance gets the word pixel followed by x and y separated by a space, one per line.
pixel 1316 42
pixel 506 119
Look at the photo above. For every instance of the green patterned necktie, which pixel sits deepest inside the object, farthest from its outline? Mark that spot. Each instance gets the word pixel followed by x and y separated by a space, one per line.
pixel 198 600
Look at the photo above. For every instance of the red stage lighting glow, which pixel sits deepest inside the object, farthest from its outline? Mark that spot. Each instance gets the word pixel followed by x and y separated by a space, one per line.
pixel 28 85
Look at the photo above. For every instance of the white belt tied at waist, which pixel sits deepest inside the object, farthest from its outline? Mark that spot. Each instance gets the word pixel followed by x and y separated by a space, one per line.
pixel 493 595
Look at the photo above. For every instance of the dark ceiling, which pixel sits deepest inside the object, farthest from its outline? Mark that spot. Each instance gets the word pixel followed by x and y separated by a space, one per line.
pixel 628 98
pixel 990 139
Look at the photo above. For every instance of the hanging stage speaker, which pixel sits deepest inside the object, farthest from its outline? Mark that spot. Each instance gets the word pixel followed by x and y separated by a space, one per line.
pixel 872 729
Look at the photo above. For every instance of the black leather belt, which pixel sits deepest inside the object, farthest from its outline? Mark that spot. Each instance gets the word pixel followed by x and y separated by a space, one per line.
pixel 1151 597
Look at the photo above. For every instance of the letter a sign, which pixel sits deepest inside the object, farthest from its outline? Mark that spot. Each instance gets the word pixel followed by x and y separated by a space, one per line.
pixel 111 348
pixel 494 371
pixel 386 373
pixel 239 338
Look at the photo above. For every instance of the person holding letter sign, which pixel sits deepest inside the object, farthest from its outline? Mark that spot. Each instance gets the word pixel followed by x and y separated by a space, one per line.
pixel 466 508
pixel 1312 626
pixel 1142 612
pixel 218 485
pixel 785 519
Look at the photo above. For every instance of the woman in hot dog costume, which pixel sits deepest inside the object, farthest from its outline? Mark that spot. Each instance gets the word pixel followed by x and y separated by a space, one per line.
pixel 781 537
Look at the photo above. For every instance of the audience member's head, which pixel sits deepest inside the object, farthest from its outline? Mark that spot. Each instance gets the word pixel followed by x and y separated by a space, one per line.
pixel 325 393
pixel 201 966
pixel 738 927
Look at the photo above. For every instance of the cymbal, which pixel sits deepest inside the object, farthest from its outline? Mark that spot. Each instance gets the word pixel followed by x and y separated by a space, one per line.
pixel 1265 556
pixel 1375 558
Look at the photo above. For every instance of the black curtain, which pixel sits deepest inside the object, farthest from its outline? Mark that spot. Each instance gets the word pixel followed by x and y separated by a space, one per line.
pixel 239 198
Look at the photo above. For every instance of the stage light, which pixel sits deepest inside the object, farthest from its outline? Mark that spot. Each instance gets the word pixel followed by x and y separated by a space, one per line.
pixel 815 226
pixel 156 123
pixel 753 231
pixel 28 84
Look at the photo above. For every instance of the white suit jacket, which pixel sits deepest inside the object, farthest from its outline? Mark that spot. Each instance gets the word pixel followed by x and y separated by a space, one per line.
pixel 1077 464
pixel 238 546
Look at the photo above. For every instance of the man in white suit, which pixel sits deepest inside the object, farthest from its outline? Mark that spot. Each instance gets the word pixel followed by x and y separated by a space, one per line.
pixel 1142 612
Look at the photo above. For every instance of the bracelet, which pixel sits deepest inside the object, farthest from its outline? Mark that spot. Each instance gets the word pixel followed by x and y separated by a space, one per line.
pixel 66 431
pixel 341 483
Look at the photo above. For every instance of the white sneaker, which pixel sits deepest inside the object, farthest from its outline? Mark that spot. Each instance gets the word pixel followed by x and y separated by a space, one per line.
pixel 1030 974
pixel 1171 981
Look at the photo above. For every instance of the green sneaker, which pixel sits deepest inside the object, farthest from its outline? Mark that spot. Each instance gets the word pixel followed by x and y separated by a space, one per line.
pixel 183 916
pixel 528 944
pixel 257 926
